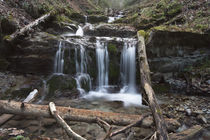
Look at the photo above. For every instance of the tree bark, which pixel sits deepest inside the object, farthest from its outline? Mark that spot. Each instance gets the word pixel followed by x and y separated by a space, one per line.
pixel 73 114
pixel 27 27
pixel 146 84
pixel 5 117
pixel 62 123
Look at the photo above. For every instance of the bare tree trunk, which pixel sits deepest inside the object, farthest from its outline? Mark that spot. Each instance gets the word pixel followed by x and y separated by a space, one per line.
pixel 62 123
pixel 27 27
pixel 146 84
pixel 5 117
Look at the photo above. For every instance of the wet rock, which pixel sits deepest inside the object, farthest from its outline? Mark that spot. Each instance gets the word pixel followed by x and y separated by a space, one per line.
pixel 111 30
pixel 60 83
pixel 34 55
pixel 77 17
pixel 97 18
pixel 173 51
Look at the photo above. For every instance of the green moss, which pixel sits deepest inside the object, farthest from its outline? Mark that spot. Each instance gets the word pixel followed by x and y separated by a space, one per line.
pixel 112 48
pixel 114 71
pixel 60 82
pixel 7 37
pixel 173 9
pixel 201 27
pixel 142 33
pixel 161 88
pixel 63 18
pixel 19 137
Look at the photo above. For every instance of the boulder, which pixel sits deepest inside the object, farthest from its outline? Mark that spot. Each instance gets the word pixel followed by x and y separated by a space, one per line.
pixel 60 83
pixel 8 25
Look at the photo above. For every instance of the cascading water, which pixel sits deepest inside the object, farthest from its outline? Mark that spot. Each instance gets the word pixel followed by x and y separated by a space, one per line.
pixel 59 59
pixel 128 94
pixel 102 58
pixel 128 67
pixel 82 77
pixel 80 31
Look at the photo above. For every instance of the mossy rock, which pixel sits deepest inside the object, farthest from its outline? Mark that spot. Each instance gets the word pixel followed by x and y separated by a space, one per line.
pixel 173 9
pixel 114 72
pixel 161 88
pixel 112 48
pixel 77 17
pixel 3 64
pixel 61 83
pixel 63 18
pixel 97 18
pixel 8 25
pixel 17 94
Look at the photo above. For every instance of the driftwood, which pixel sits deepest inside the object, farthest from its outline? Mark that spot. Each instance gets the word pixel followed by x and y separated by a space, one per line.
pixel 146 84
pixel 73 114
pixel 62 123
pixel 128 126
pixel 187 134
pixel 27 27
pixel 5 117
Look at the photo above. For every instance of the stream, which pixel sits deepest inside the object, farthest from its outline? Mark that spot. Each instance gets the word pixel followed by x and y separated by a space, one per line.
pixel 95 67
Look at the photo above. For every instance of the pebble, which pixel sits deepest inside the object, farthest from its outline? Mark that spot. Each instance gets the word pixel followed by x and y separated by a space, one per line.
pixel 202 119
pixel 189 112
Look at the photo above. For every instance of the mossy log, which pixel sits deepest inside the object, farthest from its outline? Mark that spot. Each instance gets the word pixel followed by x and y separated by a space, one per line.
pixel 146 84
pixel 28 27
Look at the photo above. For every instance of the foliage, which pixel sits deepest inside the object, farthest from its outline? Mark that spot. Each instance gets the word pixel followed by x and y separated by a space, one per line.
pixel 19 137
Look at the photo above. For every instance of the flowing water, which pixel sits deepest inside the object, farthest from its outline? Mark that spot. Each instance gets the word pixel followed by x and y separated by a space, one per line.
pixel 128 67
pixel 80 31
pixel 128 94
pixel 82 77
pixel 102 58
pixel 59 59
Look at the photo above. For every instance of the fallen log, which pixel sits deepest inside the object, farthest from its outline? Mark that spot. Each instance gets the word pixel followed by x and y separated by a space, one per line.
pixel 146 84
pixel 64 125
pixel 187 134
pixel 73 114
pixel 5 117
pixel 28 27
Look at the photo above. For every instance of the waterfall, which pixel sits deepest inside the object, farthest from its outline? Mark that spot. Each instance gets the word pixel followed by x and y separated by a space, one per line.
pixel 102 58
pixel 79 32
pixel 59 59
pixel 128 67
pixel 128 94
pixel 82 77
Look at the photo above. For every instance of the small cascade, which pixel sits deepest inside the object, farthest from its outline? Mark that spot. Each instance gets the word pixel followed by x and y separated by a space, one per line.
pixel 80 31
pixel 59 59
pixel 128 67
pixel 82 77
pixel 102 58
pixel 86 19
